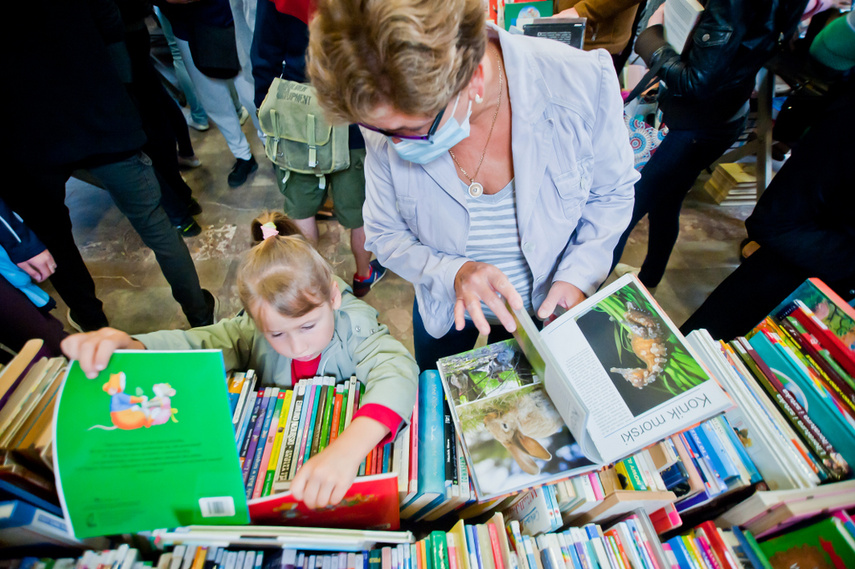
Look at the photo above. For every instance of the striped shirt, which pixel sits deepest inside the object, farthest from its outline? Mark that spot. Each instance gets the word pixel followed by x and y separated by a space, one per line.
pixel 494 238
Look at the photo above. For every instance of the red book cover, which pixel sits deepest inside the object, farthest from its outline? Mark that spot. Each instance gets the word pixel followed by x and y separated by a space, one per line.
pixel 619 542
pixel 339 397
pixel 720 548
pixel 370 503
pixel 496 547
pixel 825 336
pixel 414 449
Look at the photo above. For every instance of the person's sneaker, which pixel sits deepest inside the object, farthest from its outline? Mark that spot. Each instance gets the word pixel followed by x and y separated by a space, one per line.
pixel 194 208
pixel 241 171
pixel 201 127
pixel 189 161
pixel 73 322
pixel 622 269
pixel 243 115
pixel 189 228
pixel 361 286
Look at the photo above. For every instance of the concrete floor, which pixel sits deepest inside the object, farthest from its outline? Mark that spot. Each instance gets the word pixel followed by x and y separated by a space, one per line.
pixel 137 298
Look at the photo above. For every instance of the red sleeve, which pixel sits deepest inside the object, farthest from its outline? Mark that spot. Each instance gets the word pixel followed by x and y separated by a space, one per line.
pixel 384 416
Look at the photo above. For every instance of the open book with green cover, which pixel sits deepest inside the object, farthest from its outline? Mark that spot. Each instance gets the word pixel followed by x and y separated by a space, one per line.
pixel 606 379
pixel 147 444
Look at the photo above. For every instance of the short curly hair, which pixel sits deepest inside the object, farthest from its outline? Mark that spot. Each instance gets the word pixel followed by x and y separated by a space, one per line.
pixel 413 55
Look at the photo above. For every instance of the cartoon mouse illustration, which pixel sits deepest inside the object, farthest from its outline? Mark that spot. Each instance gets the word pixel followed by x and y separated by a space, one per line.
pixel 128 412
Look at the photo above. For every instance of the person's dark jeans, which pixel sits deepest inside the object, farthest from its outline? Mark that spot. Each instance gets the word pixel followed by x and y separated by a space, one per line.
pixel 21 320
pixel 665 181
pixel 134 188
pixel 39 198
pixel 429 349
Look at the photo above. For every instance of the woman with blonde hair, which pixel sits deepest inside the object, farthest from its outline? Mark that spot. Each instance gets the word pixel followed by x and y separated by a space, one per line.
pixel 498 167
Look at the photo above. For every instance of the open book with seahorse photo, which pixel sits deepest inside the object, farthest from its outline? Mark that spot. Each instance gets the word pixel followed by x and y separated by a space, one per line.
pixel 606 379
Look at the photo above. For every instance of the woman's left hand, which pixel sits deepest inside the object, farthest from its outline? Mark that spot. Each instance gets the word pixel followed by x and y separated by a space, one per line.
pixel 561 294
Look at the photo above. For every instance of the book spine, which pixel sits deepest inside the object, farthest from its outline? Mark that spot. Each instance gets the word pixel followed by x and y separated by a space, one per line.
pixel 276 454
pixel 832 343
pixel 317 427
pixel 494 544
pixel 328 412
pixel 265 473
pixel 634 473
pixel 261 440
pixel 252 419
pixel 793 412
pixel 305 428
pixel 290 438
pixel 336 420
pixel 345 402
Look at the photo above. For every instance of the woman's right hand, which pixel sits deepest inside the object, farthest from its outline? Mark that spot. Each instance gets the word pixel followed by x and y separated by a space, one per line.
pixel 481 282
pixel 93 349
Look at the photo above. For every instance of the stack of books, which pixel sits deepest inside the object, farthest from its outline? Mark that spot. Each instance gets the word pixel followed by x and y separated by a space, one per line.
pixel 28 388
pixel 733 184
pixel 792 378
pixel 278 430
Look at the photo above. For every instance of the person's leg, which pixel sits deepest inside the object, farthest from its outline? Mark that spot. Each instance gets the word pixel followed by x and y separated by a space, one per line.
pixel 197 112
pixel 348 192
pixel 680 164
pixel 303 199
pixel 745 297
pixel 21 320
pixel 244 16
pixel 429 349
pixel 39 198
pixel 133 186
pixel 215 97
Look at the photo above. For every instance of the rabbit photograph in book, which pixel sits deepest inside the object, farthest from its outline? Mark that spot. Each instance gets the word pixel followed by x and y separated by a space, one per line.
pixel 513 435
pixel 640 351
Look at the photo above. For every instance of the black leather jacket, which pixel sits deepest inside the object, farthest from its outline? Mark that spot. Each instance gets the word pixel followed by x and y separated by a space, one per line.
pixel 711 81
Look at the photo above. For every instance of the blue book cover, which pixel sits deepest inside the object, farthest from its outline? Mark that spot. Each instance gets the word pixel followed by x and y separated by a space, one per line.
pixel 431 477
pixel 715 485
pixel 719 458
pixel 740 449
pixel 678 548
pixel 256 433
pixel 574 554
pixel 817 403
pixel 262 442
pixel 248 424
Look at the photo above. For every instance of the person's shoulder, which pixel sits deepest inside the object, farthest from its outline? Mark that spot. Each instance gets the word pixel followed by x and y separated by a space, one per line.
pixel 355 317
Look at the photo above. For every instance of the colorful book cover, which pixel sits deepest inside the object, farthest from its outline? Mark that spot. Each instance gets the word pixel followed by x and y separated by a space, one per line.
pixel 318 427
pixel 255 436
pixel 526 10
pixel 277 454
pixel 308 418
pixel 832 310
pixel 261 477
pixel 823 544
pixel 370 503
pixel 148 417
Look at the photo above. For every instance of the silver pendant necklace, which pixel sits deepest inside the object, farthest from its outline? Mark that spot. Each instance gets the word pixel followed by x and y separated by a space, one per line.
pixel 476 189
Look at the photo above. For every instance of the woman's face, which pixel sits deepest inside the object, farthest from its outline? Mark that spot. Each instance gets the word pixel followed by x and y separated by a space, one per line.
pixel 390 121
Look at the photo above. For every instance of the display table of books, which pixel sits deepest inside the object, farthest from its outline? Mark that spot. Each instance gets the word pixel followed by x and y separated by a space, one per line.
pixel 606 440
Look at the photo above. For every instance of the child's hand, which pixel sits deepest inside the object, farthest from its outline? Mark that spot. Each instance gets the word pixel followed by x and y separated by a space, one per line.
pixel 326 477
pixel 93 349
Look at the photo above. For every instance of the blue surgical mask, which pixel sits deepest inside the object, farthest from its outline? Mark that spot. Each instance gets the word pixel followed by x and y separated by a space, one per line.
pixel 424 151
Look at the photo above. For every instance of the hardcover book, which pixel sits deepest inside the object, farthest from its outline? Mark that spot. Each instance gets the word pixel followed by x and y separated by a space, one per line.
pixel 147 444
pixel 604 380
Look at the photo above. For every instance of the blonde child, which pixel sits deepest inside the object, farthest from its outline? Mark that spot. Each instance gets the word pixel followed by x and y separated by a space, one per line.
pixel 300 321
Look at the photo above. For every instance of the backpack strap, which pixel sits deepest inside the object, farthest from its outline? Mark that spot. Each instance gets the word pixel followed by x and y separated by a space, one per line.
pixel 310 140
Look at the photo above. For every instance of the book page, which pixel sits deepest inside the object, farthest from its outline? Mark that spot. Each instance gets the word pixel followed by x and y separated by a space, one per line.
pixel 631 369
pixel 513 436
pixel 680 19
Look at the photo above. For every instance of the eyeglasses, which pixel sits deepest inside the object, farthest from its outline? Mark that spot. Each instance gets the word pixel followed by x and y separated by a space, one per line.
pixel 434 125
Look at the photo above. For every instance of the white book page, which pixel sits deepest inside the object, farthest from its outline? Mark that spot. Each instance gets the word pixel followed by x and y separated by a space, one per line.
pixel 630 369
pixel 680 19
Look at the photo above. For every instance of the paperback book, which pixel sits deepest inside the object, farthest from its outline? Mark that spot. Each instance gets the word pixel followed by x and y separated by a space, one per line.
pixel 606 379
pixel 147 444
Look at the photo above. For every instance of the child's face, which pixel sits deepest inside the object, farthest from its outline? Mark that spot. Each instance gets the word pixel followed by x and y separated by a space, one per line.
pixel 302 338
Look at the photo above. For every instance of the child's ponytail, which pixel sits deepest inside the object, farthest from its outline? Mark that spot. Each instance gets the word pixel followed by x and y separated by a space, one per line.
pixel 282 270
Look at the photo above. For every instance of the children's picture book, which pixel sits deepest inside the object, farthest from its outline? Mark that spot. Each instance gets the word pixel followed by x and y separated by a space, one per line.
pixel 370 503
pixel 514 437
pixel 566 30
pixel 826 305
pixel 526 11
pixel 147 444
pixel 606 379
